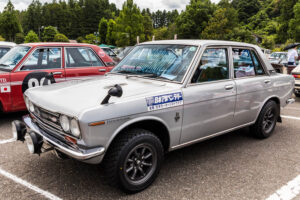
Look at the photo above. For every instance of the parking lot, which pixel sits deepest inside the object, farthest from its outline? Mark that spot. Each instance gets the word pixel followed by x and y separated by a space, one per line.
pixel 232 166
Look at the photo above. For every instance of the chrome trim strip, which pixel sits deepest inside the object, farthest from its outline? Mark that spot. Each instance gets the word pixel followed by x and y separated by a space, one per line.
pixel 79 155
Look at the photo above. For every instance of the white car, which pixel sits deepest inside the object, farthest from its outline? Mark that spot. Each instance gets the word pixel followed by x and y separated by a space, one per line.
pixel 5 47
pixel 296 74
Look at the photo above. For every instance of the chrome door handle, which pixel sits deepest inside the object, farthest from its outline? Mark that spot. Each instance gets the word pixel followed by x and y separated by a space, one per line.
pixel 267 81
pixel 228 87
pixel 57 73
pixel 102 70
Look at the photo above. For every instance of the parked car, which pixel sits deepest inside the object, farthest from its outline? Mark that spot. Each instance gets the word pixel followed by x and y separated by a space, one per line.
pixel 296 74
pixel 279 58
pixel 29 65
pixel 111 54
pixel 5 47
pixel 267 52
pixel 164 95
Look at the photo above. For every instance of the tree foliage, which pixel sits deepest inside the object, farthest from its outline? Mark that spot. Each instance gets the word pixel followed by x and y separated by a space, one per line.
pixel 191 22
pixel 129 24
pixel 9 23
pixel 103 30
pixel 31 37
pixel 49 33
pixel 59 37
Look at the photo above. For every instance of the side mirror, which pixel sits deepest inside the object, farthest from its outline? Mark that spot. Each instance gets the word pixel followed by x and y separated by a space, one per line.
pixel 116 91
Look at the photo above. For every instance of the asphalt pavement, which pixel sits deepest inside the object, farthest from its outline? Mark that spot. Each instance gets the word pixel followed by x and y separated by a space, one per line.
pixel 231 166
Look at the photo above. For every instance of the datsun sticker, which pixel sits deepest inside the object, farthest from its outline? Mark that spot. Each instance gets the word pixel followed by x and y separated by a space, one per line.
pixel 164 101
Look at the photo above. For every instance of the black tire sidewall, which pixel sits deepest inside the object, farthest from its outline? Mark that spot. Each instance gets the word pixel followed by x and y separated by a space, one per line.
pixel 156 146
pixel 269 105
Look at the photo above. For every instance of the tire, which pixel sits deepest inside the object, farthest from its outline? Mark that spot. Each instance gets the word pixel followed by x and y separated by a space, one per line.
pixel 266 121
pixel 128 158
pixel 297 94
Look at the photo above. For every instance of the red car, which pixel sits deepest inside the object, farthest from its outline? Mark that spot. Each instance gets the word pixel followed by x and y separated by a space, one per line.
pixel 36 64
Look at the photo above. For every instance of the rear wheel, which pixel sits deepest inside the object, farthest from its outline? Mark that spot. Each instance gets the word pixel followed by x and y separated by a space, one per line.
pixel 266 122
pixel 134 160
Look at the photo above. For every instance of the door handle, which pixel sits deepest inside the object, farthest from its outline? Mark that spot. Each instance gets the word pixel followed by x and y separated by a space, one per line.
pixel 102 70
pixel 57 73
pixel 267 81
pixel 228 87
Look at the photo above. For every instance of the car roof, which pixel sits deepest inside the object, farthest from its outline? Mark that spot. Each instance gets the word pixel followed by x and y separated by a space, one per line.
pixel 7 44
pixel 54 44
pixel 200 42
pixel 280 52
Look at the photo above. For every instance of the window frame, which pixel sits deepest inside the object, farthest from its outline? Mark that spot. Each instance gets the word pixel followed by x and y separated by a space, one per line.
pixel 85 47
pixel 230 64
pixel 259 59
pixel 41 47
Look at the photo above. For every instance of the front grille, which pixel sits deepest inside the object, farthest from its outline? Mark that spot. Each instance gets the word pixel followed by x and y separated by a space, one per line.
pixel 49 118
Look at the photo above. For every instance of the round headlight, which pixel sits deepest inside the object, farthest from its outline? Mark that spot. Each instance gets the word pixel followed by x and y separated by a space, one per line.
pixel 75 128
pixel 27 103
pixel 65 123
pixel 31 107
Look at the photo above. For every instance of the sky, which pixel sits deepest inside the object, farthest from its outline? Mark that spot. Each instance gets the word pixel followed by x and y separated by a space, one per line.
pixel 152 4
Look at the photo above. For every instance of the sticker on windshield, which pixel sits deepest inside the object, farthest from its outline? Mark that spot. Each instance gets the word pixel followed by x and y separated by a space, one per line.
pixel 164 101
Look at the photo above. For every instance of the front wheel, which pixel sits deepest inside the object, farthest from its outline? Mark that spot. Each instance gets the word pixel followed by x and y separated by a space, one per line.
pixel 134 160
pixel 266 122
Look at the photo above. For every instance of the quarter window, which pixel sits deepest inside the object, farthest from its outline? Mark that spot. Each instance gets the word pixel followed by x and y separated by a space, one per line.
pixel 213 66
pixel 81 57
pixel 45 58
pixel 246 63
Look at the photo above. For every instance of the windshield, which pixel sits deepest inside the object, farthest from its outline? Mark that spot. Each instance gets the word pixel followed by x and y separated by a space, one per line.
pixel 158 61
pixel 12 58
pixel 278 55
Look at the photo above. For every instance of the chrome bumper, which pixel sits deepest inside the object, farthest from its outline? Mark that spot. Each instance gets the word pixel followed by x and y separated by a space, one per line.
pixel 79 154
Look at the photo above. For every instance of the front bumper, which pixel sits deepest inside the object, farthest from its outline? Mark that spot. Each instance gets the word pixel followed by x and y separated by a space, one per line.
pixel 92 155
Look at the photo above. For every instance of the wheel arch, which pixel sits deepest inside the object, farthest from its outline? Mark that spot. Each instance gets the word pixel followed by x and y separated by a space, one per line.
pixel 273 98
pixel 154 124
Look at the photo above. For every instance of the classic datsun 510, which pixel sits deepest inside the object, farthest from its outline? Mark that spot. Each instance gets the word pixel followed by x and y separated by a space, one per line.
pixel 163 96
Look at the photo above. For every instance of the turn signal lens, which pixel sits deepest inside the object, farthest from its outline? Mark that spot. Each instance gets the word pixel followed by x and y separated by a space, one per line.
pixel 296 75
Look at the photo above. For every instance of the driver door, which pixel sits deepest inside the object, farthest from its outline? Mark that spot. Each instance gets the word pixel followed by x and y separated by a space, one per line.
pixel 209 100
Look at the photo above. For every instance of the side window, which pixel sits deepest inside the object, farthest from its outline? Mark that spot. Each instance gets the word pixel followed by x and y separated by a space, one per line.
pixel 213 66
pixel 246 63
pixel 257 65
pixel 81 57
pixel 45 58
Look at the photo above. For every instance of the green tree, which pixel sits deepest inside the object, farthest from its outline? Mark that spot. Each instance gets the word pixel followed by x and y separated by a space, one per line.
pixel 90 39
pixel 246 9
pixel 9 24
pixel 31 37
pixel 19 38
pixel 49 33
pixel 80 39
pixel 1 38
pixel 103 30
pixel 294 24
pixel 129 24
pixel 111 34
pixel 161 33
pixel 59 37
pixel 148 27
pixel 191 22
pixel 33 17
pixel 220 26
pixel 268 42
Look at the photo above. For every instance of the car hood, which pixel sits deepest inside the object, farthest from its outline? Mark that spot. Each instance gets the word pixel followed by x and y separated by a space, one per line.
pixel 296 70
pixel 73 97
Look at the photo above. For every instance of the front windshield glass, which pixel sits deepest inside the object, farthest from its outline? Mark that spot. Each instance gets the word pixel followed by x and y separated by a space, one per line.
pixel 168 62
pixel 12 58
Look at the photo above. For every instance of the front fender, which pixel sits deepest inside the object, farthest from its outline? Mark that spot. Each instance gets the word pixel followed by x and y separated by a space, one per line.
pixel 131 122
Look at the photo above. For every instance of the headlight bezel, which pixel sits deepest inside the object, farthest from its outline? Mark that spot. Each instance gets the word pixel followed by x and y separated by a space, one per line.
pixel 69 131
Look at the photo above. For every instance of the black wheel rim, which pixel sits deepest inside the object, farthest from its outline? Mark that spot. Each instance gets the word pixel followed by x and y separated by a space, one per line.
pixel 140 164
pixel 269 120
